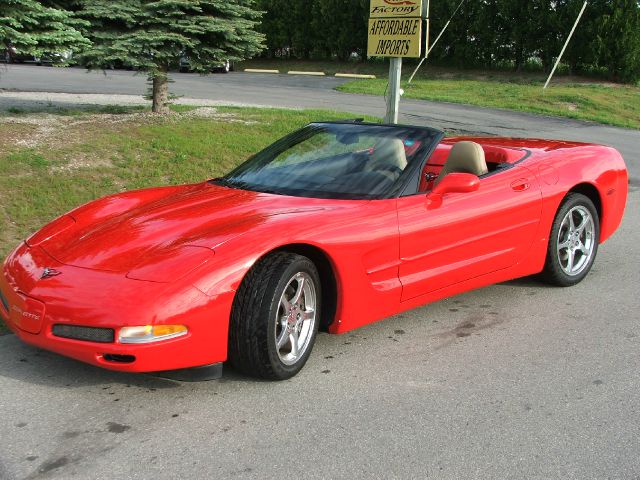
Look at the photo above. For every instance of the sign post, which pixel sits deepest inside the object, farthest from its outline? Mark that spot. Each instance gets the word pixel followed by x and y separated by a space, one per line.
pixel 395 31
pixel 393 98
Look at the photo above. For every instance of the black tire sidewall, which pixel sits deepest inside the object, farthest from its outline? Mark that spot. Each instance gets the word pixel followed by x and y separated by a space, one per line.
pixel 300 264
pixel 553 270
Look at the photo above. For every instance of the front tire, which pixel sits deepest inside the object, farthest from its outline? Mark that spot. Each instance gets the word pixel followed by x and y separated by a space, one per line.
pixel 275 317
pixel 573 243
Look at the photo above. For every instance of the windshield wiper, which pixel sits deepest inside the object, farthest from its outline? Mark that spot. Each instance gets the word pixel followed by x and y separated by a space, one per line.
pixel 225 182
pixel 222 182
pixel 267 190
pixel 239 185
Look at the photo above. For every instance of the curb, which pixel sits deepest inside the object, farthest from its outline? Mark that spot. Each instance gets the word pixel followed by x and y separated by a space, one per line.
pixel 315 74
pixel 260 70
pixel 354 75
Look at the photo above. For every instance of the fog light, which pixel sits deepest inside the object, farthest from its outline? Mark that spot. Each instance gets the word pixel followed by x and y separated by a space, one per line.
pixel 151 333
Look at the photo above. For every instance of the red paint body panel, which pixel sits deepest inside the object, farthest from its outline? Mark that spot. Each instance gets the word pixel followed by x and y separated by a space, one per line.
pixel 176 255
pixel 464 238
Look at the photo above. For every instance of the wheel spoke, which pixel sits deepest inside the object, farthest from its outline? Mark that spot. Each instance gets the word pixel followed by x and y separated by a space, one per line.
pixel 572 226
pixel 295 348
pixel 308 315
pixel 283 339
pixel 286 304
pixel 570 259
pixel 564 245
pixel 298 295
pixel 583 224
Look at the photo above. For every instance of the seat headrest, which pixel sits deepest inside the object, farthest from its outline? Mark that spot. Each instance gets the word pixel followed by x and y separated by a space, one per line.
pixel 465 157
pixel 388 152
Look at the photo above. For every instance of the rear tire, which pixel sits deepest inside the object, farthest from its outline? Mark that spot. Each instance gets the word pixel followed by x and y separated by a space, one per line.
pixel 573 243
pixel 275 317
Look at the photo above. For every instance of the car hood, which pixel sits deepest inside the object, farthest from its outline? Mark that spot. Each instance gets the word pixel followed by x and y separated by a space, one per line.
pixel 121 232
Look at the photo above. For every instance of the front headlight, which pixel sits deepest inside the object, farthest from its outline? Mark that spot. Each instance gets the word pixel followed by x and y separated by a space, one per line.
pixel 151 333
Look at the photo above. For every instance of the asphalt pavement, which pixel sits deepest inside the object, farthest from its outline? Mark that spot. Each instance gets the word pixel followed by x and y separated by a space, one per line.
pixel 517 380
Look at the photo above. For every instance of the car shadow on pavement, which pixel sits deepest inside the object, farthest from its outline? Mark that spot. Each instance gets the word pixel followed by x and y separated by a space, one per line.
pixel 22 362
pixel 532 282
pixel 25 363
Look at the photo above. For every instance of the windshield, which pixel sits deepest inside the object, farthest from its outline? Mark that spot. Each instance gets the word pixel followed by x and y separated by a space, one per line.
pixel 336 160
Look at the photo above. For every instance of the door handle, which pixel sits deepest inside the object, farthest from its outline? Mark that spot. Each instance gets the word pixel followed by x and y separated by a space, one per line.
pixel 520 185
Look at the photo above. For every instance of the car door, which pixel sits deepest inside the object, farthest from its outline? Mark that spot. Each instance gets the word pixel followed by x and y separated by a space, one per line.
pixel 467 234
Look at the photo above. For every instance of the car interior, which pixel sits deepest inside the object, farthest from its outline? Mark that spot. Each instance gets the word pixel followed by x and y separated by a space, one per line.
pixel 369 169
pixel 388 157
pixel 370 166
pixel 466 157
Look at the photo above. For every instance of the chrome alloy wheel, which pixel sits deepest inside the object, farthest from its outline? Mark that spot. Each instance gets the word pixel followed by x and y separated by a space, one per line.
pixel 296 318
pixel 576 241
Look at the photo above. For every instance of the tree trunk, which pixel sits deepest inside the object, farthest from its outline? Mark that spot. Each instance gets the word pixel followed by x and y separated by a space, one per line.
pixel 161 93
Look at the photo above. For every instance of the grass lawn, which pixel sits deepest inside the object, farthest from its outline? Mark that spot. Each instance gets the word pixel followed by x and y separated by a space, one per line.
pixel 53 161
pixel 604 103
pixel 568 96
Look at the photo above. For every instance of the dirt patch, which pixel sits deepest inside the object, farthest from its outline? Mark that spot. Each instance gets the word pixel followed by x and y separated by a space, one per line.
pixel 9 136
pixel 37 130
pixel 572 107
pixel 214 114
pixel 80 161
pixel 46 129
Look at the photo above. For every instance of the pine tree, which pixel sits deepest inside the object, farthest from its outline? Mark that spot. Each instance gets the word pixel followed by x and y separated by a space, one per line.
pixel 152 36
pixel 34 28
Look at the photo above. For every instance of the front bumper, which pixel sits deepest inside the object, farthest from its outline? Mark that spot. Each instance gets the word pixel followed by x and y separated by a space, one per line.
pixel 168 355
pixel 80 297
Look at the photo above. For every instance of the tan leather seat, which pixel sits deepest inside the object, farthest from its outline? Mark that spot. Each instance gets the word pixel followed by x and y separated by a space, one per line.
pixel 388 155
pixel 465 157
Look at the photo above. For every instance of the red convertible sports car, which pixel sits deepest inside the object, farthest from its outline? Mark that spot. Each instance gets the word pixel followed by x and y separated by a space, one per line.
pixel 335 226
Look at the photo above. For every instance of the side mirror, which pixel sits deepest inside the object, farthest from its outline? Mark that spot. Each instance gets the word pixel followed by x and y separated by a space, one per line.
pixel 453 183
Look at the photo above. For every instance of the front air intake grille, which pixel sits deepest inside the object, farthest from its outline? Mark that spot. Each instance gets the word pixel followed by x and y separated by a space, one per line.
pixel 88 334
pixel 4 301
pixel 115 358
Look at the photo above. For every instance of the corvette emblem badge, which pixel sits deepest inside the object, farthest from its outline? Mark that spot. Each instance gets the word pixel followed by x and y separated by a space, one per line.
pixel 49 272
